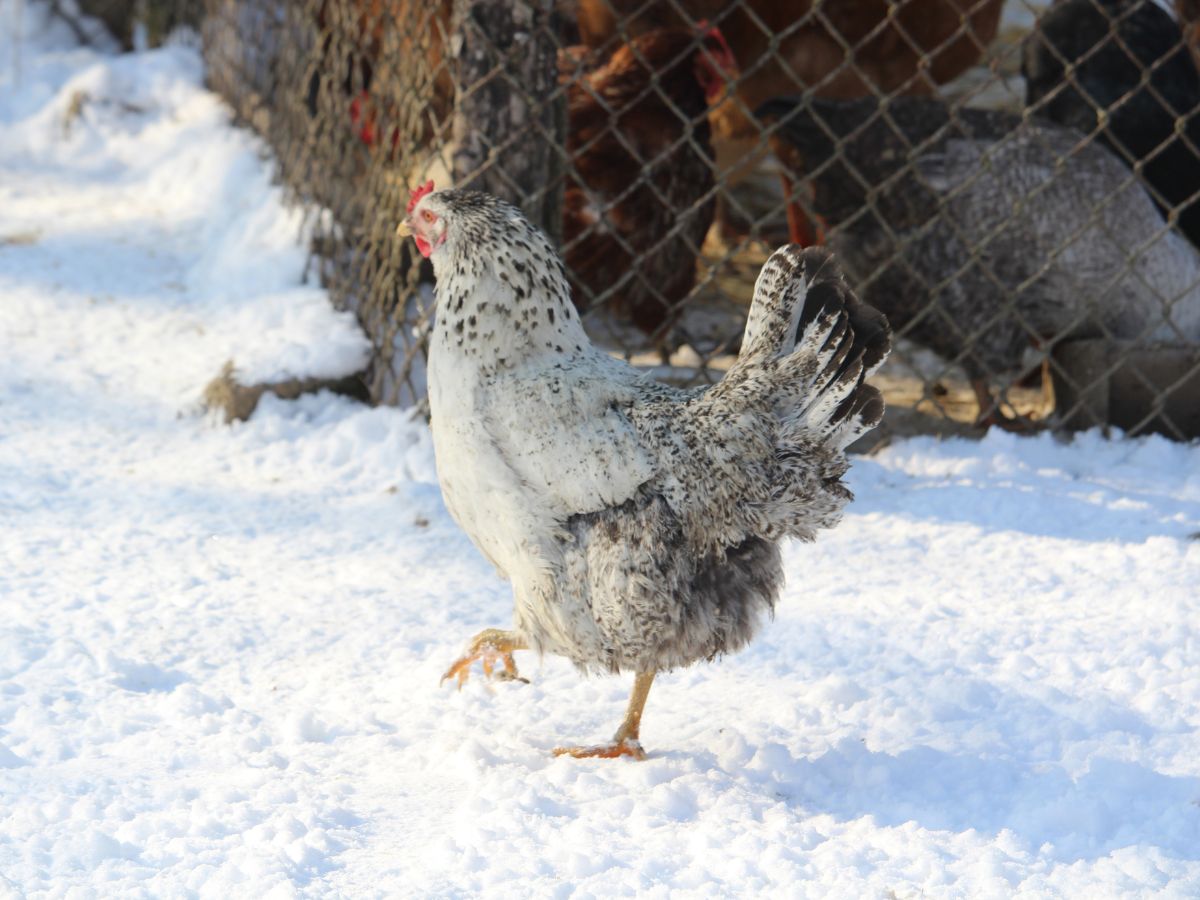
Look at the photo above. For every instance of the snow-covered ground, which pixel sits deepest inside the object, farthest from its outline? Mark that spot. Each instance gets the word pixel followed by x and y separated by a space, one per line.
pixel 220 646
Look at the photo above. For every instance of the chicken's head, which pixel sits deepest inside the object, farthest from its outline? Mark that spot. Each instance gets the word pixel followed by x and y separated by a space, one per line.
pixel 425 220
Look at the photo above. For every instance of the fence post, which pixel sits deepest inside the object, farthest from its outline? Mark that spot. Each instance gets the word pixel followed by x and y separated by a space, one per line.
pixel 506 129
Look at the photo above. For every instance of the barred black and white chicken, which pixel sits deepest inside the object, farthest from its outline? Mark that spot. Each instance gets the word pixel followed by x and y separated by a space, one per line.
pixel 978 232
pixel 639 524
pixel 1121 69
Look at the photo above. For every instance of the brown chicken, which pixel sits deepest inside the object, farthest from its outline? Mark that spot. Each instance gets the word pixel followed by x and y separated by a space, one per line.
pixel 906 47
pixel 639 192
pixel 638 196
pixel 395 77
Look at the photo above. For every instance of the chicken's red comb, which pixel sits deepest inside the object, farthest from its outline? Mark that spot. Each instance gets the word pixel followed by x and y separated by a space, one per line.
pixel 727 60
pixel 418 193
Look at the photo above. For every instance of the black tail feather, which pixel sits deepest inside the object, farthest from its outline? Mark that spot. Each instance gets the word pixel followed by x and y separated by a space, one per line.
pixel 862 338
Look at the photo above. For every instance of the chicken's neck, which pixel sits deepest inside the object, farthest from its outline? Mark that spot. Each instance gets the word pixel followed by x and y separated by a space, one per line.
pixel 499 308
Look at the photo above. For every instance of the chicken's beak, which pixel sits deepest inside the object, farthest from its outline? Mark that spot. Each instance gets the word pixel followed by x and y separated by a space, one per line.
pixel 404 229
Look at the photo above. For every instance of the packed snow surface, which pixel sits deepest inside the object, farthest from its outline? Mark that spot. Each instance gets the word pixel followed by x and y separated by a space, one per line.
pixel 220 646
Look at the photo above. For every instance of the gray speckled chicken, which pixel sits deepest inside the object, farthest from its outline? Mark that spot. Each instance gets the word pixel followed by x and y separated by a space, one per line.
pixel 979 233
pixel 638 524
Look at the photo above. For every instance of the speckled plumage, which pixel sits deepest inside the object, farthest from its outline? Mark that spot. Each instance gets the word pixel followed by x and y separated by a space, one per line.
pixel 978 233
pixel 638 523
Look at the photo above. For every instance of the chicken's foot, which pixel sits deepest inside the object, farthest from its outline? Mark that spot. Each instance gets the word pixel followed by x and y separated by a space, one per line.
pixel 625 741
pixel 490 646
pixel 991 414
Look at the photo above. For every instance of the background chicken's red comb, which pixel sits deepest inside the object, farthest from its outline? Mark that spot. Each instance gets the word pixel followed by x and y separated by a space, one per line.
pixel 725 60
pixel 418 193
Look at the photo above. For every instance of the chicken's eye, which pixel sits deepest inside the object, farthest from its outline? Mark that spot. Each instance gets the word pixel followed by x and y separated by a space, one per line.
pixel 426 215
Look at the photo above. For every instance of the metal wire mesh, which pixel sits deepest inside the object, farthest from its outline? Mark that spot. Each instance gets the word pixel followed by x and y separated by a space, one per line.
pixel 1016 185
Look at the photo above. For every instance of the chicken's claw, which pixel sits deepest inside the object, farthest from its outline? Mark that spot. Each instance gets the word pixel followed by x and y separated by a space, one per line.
pixel 627 747
pixel 990 413
pixel 490 647
pixel 1014 424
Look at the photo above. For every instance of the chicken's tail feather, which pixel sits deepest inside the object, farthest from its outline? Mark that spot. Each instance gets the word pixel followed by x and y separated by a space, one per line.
pixel 819 342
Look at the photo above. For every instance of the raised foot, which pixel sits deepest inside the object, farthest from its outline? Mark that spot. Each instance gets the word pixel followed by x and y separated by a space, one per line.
pixel 627 747
pixel 491 647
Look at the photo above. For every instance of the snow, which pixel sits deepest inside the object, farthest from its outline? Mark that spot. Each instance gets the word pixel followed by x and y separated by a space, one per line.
pixel 220 646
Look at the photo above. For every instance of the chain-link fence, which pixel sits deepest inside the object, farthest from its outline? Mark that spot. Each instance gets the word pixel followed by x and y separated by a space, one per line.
pixel 1015 184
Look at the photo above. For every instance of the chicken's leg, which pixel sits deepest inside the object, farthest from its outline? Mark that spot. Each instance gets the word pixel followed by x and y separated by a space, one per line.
pixel 802 229
pixel 490 646
pixel 625 741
